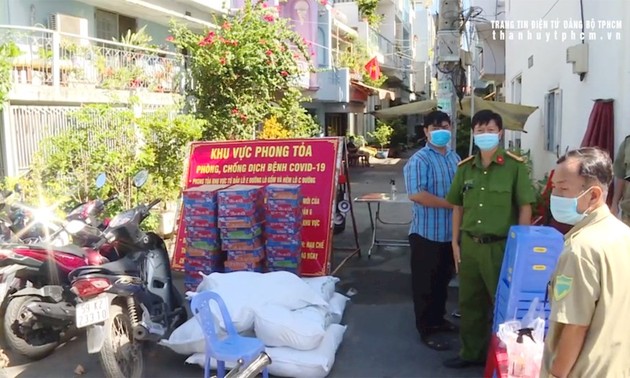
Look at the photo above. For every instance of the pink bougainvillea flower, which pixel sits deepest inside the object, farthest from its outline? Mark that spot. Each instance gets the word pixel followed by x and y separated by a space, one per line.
pixel 284 73
pixel 222 61
pixel 226 25
pixel 264 5
pixel 269 18
pixel 234 110
pixel 269 52
pixel 170 38
pixel 324 2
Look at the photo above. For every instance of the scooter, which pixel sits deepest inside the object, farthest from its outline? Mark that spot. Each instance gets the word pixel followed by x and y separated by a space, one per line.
pixel 130 302
pixel 34 282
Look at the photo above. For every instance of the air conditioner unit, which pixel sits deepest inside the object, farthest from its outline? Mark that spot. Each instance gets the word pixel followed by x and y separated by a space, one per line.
pixel 70 27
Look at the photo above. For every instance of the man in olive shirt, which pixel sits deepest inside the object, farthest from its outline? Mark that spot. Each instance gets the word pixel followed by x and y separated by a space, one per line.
pixel 589 292
pixel 491 191
pixel 621 193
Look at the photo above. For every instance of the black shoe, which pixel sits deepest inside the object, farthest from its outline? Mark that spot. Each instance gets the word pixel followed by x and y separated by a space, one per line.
pixel 458 363
pixel 433 342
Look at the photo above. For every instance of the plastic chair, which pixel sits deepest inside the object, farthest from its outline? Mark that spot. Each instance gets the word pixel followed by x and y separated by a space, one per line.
pixel 231 348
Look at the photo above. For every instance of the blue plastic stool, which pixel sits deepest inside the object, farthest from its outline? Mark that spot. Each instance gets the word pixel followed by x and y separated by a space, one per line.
pixel 231 348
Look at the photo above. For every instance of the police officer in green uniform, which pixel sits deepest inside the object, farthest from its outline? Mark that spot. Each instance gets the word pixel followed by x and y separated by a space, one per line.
pixel 491 191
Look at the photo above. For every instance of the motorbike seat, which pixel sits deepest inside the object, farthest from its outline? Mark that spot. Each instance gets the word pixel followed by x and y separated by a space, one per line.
pixel 121 266
pixel 70 249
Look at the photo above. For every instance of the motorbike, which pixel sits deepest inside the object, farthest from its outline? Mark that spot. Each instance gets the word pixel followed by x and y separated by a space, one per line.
pixel 34 282
pixel 129 303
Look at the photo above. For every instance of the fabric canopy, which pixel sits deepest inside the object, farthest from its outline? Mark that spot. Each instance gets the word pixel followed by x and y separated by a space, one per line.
pixel 600 131
pixel 514 115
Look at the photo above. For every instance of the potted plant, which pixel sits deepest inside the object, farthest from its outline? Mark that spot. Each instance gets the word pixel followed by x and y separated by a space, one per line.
pixel 382 135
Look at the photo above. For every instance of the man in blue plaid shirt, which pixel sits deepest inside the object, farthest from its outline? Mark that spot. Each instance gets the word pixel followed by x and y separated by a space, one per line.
pixel 428 177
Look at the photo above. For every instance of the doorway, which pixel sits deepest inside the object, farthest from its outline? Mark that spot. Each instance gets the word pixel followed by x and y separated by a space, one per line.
pixel 336 124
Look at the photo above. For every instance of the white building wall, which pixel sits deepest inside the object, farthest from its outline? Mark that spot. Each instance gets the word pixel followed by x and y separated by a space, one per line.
pixel 608 75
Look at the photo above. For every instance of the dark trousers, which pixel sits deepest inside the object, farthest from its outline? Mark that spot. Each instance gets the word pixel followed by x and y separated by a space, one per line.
pixel 432 269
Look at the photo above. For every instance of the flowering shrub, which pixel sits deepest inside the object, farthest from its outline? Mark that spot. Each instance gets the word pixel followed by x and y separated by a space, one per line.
pixel 272 129
pixel 244 73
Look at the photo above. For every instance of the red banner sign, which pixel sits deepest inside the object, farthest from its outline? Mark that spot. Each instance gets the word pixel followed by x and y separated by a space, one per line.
pixel 313 163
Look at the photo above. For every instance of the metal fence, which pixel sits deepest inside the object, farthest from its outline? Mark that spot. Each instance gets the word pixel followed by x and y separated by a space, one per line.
pixel 31 125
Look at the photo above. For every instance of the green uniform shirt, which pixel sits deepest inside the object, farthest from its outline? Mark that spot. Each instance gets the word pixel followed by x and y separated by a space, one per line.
pixel 491 196
pixel 620 166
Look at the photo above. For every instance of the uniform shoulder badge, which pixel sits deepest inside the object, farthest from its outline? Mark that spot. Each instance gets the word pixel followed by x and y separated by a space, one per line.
pixel 466 160
pixel 562 287
pixel 514 156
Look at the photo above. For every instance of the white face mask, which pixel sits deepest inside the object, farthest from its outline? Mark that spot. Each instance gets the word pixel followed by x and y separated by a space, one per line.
pixel 564 209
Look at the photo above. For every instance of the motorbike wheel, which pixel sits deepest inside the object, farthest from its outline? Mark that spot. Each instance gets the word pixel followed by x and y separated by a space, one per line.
pixel 121 355
pixel 35 348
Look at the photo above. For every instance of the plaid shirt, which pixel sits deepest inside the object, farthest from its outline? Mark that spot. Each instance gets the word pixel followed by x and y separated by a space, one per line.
pixel 430 171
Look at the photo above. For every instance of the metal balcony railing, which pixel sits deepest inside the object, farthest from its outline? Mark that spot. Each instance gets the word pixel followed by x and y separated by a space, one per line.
pixel 50 58
pixel 392 58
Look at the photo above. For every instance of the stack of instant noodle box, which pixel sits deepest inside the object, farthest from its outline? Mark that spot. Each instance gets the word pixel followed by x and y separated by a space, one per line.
pixel 283 227
pixel 203 248
pixel 241 212
pixel 242 228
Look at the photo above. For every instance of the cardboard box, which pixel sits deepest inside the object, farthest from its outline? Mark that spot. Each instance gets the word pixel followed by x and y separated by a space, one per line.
pixel 283 191
pixel 241 245
pixel 242 194
pixel 242 233
pixel 253 255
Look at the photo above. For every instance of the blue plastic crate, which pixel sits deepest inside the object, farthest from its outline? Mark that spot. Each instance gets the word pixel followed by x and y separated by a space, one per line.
pixel 531 253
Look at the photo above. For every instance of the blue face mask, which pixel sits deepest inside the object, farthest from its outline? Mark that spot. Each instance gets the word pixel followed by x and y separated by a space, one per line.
pixel 564 209
pixel 486 141
pixel 440 138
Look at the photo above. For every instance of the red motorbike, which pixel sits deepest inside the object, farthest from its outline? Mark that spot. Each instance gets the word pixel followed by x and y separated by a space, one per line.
pixel 34 281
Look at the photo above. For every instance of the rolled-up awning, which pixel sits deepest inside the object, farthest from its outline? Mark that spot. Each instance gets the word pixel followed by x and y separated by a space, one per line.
pixel 514 115
pixel 382 93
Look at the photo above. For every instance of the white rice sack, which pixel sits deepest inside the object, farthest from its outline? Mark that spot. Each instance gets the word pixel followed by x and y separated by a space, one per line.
pixel 287 362
pixel 337 307
pixel 244 292
pixel 316 363
pixel 324 286
pixel 302 329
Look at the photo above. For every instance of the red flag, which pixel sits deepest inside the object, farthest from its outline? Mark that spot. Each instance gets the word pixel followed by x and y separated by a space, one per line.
pixel 373 69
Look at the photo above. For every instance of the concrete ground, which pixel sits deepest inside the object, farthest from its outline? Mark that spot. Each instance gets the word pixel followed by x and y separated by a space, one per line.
pixel 380 341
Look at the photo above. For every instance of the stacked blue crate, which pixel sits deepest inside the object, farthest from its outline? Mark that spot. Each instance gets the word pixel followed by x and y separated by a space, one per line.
pixel 530 258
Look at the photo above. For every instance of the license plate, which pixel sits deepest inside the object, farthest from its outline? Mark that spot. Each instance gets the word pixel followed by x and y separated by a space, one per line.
pixel 92 312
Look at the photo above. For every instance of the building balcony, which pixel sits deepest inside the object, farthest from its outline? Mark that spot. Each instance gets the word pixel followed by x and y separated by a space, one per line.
pixel 491 10
pixel 388 54
pixel 197 14
pixel 61 67
pixel 490 60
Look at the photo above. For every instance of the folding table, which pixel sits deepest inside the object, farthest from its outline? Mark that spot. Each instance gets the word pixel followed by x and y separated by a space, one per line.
pixel 375 217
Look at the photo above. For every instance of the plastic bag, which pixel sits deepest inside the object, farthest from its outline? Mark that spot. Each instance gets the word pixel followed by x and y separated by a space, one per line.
pixel 524 342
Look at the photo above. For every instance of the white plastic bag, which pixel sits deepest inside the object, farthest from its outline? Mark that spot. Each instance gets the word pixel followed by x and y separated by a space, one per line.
pixel 302 329
pixel 524 342
pixel 337 307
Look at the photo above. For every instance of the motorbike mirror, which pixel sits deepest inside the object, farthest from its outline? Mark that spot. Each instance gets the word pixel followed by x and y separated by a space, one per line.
pixel 100 180
pixel 75 226
pixel 17 188
pixel 140 178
